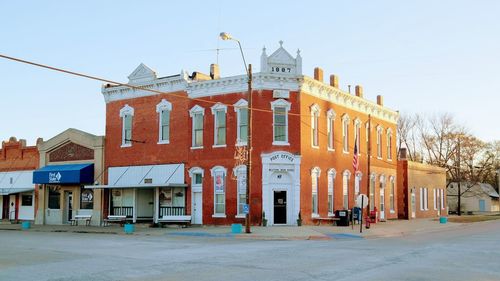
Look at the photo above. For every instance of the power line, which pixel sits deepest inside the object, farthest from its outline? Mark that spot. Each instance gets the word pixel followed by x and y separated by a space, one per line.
pixel 96 78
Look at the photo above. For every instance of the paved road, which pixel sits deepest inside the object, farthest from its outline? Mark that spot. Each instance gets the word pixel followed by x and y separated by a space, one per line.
pixel 473 253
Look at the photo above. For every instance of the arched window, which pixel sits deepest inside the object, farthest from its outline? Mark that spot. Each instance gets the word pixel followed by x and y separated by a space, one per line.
pixel 241 184
pixel 331 128
pixel 219 180
pixel 345 133
pixel 331 181
pixel 241 109
pixel 163 109
pixel 314 125
pixel 126 113
pixel 345 189
pixel 197 113
pixel 315 172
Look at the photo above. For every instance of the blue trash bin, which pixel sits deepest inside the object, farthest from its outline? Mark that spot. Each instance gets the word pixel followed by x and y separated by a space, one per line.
pixel 236 228
pixel 129 228
pixel 26 225
pixel 443 220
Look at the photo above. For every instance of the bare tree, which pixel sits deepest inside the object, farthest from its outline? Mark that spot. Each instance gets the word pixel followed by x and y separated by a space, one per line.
pixel 407 136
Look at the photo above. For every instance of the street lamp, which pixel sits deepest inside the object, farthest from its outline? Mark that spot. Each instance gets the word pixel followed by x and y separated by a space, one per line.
pixel 227 36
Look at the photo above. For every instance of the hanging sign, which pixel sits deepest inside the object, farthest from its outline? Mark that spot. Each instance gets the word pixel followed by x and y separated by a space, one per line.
pixel 219 182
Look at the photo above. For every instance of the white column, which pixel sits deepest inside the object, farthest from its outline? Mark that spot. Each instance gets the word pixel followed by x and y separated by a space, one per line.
pixel 156 205
pixel 134 216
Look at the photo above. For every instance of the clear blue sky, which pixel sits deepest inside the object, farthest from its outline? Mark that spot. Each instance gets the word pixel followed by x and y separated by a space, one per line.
pixel 422 56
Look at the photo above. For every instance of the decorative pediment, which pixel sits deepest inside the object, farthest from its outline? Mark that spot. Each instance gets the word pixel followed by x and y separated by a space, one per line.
pixel 281 62
pixel 141 74
pixel 71 152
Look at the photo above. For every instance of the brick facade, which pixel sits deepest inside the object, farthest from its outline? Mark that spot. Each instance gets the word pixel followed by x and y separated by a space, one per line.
pixel 300 92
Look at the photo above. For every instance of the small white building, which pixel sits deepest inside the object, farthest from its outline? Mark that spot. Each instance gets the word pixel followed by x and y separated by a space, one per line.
pixel 17 193
pixel 476 197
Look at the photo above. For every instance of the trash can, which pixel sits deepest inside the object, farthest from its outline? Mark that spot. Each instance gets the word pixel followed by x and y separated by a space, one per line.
pixel 343 216
pixel 236 228
pixel 129 228
pixel 26 225
pixel 443 219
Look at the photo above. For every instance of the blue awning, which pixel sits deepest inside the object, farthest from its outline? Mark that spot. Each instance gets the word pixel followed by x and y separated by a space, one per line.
pixel 64 174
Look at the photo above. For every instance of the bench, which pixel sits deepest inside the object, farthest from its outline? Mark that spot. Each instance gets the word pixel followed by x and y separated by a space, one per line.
pixel 77 218
pixel 329 219
pixel 185 220
pixel 115 219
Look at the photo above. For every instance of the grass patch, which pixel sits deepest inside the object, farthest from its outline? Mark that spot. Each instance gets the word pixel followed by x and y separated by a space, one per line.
pixel 473 218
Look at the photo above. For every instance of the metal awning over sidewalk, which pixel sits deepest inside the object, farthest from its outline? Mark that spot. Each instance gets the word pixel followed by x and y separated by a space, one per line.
pixel 8 191
pixel 104 186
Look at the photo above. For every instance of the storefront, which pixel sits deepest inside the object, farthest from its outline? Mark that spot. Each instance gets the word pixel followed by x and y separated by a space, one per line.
pixel 17 194
pixel 62 188
pixel 146 193
pixel 68 162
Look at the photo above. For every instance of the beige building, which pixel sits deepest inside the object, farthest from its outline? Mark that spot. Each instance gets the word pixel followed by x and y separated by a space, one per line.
pixel 69 161
pixel 476 197
pixel 421 190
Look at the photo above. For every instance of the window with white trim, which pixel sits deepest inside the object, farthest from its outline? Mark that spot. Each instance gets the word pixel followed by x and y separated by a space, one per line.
pixel 330 127
pixel 219 111
pixel 241 185
pixel 345 133
pixel 241 109
pixel 197 113
pixel 163 109
pixel 315 172
pixel 367 136
pixel 219 181
pixel 392 201
pixel 280 109
pixel 126 113
pixel 357 183
pixel 372 192
pixel 196 174
pixel 345 189
pixel 442 199
pixel 314 125
pixel 379 142
pixel 424 199
pixel 357 134
pixel 389 144
pixel 331 182
pixel 435 199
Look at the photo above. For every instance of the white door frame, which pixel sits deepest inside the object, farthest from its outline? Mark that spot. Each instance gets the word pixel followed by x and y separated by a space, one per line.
pixel 12 207
pixel 193 213
pixel 281 171
pixel 382 206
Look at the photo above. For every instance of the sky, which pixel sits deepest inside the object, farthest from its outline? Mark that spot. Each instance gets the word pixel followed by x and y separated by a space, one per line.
pixel 427 57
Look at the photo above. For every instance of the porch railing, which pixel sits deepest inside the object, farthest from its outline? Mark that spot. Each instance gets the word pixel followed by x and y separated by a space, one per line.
pixel 172 211
pixel 123 211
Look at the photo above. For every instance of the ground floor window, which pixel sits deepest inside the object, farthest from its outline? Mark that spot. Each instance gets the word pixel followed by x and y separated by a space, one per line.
pixel 122 202
pixel 86 199
pixel 26 200
pixel 54 198
pixel 219 178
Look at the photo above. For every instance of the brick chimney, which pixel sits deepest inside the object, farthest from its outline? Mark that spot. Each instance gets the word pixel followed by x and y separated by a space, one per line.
pixel 380 100
pixel 402 153
pixel 334 81
pixel 214 71
pixel 318 74
pixel 359 91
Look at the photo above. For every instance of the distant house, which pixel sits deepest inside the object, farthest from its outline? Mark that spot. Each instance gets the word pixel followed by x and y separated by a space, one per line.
pixel 477 197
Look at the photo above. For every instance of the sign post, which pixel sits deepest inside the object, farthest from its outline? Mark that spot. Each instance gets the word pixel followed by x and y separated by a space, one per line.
pixel 361 202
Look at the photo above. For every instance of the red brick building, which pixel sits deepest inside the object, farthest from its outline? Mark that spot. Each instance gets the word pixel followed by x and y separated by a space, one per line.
pixel 171 152
pixel 17 192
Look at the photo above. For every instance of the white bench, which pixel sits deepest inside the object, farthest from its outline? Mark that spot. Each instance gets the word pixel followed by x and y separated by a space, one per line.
pixel 186 220
pixel 77 218
pixel 118 219
pixel 329 219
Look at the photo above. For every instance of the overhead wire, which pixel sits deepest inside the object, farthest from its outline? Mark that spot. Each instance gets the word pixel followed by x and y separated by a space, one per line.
pixel 143 88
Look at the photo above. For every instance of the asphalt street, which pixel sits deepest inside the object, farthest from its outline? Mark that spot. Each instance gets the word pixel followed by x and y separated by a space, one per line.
pixel 471 253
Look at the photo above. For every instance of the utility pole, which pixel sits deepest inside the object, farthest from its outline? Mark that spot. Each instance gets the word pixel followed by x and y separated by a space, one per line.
pixel 459 175
pixel 249 150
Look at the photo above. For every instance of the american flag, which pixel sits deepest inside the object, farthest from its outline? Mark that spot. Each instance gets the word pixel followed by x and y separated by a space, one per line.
pixel 355 163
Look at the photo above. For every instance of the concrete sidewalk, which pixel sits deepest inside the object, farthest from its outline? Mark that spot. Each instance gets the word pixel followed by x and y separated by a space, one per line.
pixel 379 230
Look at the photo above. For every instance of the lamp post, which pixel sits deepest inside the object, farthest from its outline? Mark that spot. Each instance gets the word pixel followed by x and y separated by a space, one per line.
pixel 227 36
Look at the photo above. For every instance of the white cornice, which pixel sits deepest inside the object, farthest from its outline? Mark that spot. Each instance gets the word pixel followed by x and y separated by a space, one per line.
pixel 261 81
pixel 335 95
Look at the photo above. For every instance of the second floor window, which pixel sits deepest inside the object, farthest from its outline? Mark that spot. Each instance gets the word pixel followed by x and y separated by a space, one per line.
pixel 126 113
pixel 330 128
pixel 345 133
pixel 163 109
pixel 389 144
pixel 241 109
pixel 220 128
pixel 379 142
pixel 280 121
pixel 314 125
pixel 197 113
